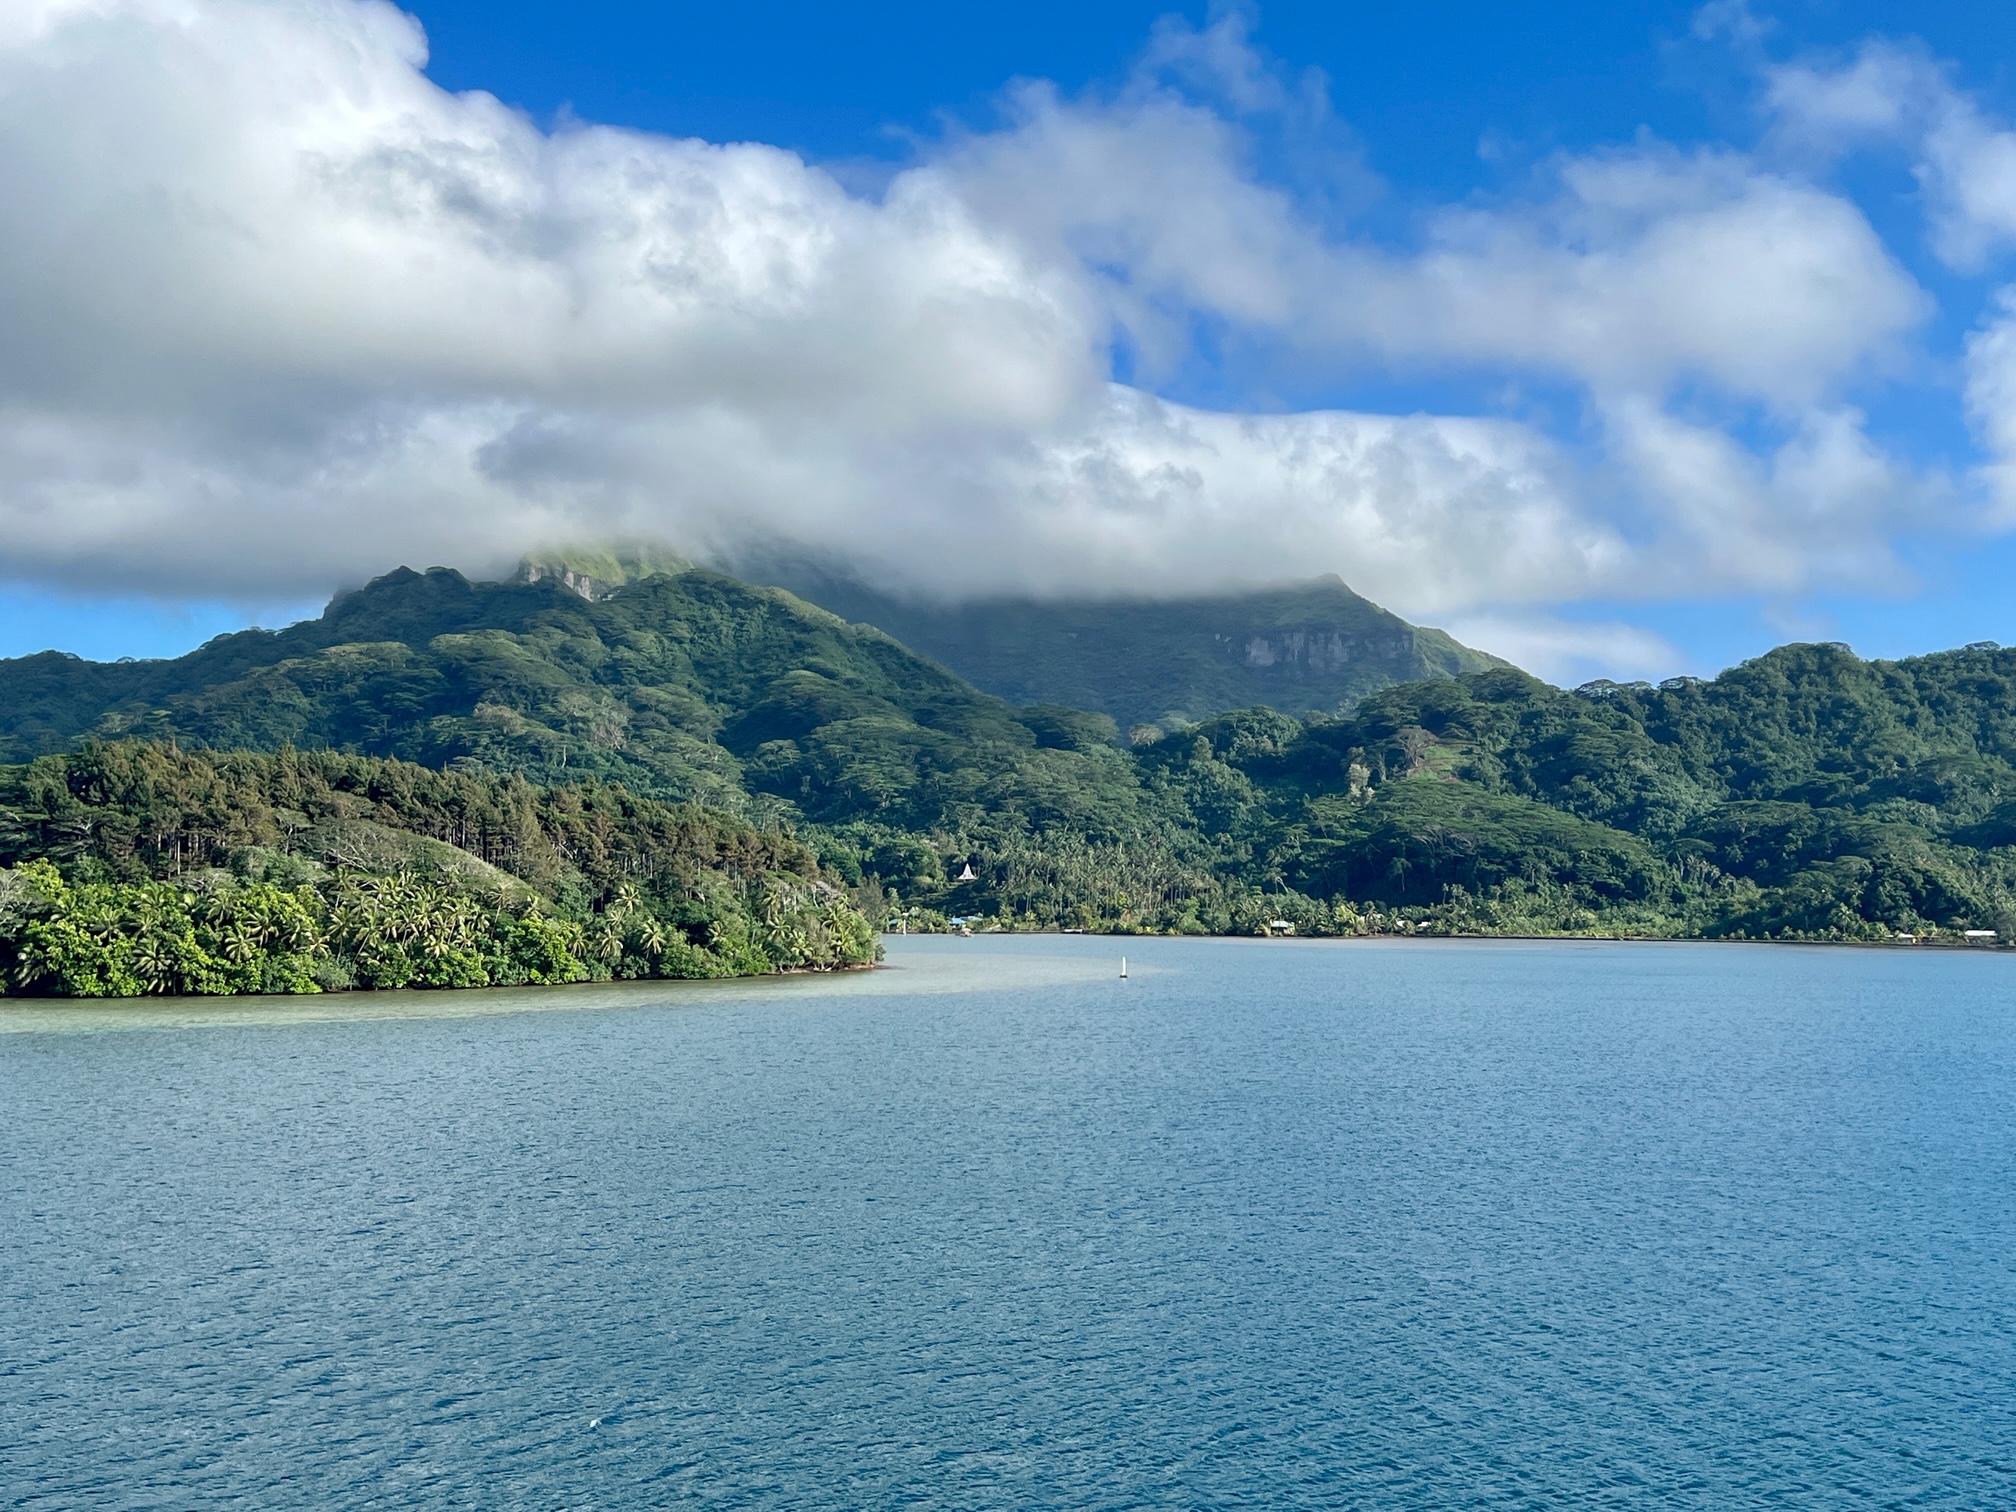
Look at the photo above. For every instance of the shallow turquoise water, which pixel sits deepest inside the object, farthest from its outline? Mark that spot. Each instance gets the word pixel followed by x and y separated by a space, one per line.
pixel 1269 1225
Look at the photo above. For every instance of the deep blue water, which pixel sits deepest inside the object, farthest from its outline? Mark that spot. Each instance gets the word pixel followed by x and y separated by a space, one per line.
pixel 1269 1225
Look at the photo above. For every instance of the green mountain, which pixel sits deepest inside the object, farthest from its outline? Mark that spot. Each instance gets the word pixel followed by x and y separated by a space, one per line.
pixel 686 686
pixel 1311 647
pixel 1807 794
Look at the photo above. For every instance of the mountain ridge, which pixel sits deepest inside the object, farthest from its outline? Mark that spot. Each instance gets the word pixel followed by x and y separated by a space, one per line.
pixel 687 686
pixel 1306 647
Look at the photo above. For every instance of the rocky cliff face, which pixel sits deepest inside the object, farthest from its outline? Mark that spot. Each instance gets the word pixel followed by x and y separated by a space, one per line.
pixel 598 572
pixel 1319 652
pixel 582 583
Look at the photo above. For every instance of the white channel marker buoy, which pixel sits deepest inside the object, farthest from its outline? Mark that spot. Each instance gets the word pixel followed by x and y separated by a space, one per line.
pixel 1123 968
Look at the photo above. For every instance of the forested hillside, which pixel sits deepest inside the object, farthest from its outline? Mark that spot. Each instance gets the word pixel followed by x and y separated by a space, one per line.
pixel 1807 794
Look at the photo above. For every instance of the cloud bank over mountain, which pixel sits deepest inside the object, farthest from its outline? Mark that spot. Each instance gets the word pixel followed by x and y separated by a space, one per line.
pixel 281 311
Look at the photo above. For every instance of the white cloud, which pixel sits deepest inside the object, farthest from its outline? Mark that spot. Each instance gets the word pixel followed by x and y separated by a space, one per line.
pixel 1891 92
pixel 1971 167
pixel 1642 268
pixel 1135 497
pixel 1569 652
pixel 1149 496
pixel 1821 506
pixel 1991 401
pixel 1966 163
pixel 1883 92
pixel 281 312
pixel 267 192
pixel 1652 268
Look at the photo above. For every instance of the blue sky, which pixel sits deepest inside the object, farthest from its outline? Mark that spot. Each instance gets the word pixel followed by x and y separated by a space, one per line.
pixel 1623 339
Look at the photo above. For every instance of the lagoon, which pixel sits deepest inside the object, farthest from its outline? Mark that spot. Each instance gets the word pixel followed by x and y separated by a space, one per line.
pixel 1271 1224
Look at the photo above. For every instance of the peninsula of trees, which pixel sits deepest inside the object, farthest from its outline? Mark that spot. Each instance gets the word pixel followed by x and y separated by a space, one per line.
pixel 142 868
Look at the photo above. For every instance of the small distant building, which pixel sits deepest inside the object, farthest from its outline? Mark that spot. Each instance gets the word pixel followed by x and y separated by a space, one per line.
pixel 1979 936
pixel 966 874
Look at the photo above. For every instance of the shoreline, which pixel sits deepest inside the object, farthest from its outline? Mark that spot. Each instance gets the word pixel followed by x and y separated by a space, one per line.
pixel 344 994
pixel 10 1002
pixel 1984 947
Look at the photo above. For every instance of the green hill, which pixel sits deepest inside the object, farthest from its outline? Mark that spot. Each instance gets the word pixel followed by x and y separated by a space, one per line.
pixel 1806 793
pixel 1311 647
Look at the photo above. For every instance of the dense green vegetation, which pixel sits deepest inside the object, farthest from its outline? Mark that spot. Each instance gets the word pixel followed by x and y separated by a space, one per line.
pixel 689 726
pixel 689 687
pixel 1304 647
pixel 139 868
pixel 1806 794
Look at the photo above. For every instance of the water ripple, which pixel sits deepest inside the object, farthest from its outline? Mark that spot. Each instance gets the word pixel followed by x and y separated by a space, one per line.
pixel 1269 1225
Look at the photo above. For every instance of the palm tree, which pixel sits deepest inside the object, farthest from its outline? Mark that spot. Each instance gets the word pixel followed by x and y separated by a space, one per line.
pixel 437 942
pixel 241 943
pixel 103 921
pixel 35 959
pixel 651 937
pixel 365 931
pixel 156 963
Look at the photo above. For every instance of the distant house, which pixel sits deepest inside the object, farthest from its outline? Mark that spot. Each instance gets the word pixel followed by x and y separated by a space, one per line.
pixel 966 874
